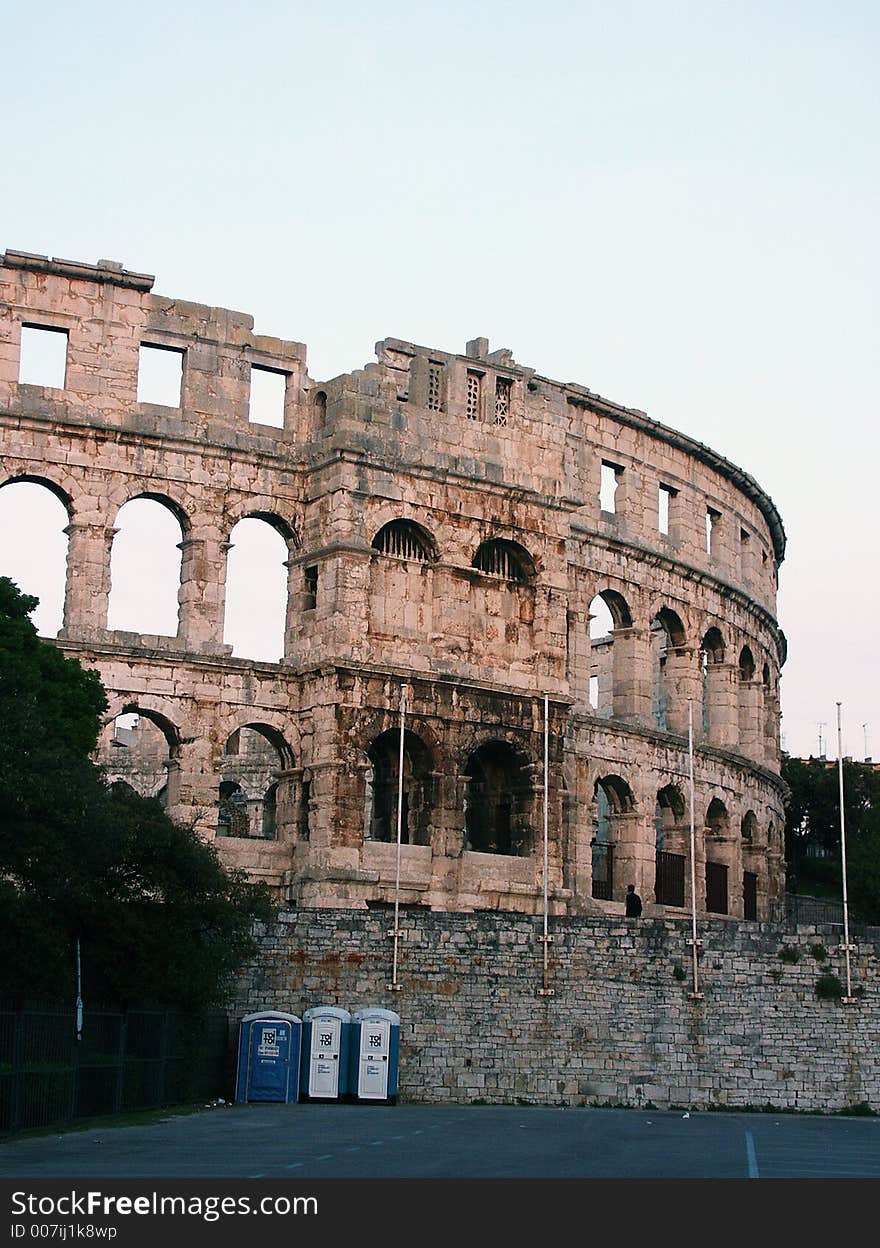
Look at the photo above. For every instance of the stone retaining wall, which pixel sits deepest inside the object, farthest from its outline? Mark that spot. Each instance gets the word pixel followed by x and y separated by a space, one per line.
pixel 619 1028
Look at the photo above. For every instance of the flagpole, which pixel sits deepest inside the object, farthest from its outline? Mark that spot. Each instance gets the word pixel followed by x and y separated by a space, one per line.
pixel 849 999
pixel 545 990
pixel 394 985
pixel 695 995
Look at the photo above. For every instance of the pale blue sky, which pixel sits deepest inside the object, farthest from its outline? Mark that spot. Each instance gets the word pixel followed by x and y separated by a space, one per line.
pixel 674 204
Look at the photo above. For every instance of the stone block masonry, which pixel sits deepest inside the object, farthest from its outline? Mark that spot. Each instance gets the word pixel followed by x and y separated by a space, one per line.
pixel 619 1028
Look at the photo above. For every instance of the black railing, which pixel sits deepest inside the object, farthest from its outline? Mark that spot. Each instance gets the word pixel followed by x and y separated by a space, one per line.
pixel 140 1059
pixel 797 909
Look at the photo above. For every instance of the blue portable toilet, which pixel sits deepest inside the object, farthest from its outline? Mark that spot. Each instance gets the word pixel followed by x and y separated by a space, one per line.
pixel 269 1046
pixel 375 1055
pixel 324 1064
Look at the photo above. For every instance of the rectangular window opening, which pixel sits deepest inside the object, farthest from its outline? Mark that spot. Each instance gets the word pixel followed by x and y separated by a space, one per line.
pixel 474 396
pixel 43 359
pixel 594 692
pixel 310 592
pixel 503 388
pixel 160 375
pixel 712 519
pixel 268 393
pixel 608 482
pixel 665 496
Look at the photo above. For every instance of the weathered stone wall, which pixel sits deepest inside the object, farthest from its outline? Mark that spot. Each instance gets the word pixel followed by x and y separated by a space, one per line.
pixel 619 1027
pixel 473 449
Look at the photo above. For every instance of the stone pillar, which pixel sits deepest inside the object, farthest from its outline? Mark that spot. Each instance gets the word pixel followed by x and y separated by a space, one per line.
pixel 202 594
pixel 634 861
pixel 631 658
pixel 87 590
pixel 722 680
pixel 727 850
pixel 682 683
pixel 771 729
pixel 751 728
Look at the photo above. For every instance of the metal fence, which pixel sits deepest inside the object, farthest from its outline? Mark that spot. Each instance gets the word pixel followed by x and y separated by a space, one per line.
pixel 796 909
pixel 139 1059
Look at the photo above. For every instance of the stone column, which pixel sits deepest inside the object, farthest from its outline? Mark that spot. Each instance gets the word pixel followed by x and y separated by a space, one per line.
pixel 631 658
pixel 682 683
pixel 722 680
pixel 751 728
pixel 87 590
pixel 202 594
pixel 634 861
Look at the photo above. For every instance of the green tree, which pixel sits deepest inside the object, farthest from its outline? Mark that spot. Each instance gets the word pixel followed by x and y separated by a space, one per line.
pixel 157 916
pixel 812 830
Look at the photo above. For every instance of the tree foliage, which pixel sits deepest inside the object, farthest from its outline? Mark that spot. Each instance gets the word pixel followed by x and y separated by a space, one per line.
pixel 812 829
pixel 157 916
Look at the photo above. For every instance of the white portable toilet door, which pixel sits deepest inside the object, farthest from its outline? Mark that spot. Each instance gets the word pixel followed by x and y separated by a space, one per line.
pixel 324 1057
pixel 374 1054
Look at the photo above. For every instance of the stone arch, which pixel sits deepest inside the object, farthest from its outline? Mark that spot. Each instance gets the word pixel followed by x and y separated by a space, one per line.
pixel 405 539
pixel 145 565
pixel 609 613
pixel 257 562
pixel 40 512
pixel 671 843
pixel 140 747
pixel 717 827
pixel 749 827
pixel 667 632
pixel 711 659
pixel 612 798
pixel 382 788
pixel 253 756
pixel 507 560
pixel 746 664
pixel 498 799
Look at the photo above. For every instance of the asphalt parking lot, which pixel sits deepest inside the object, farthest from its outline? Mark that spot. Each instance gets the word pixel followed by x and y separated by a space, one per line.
pixel 314 1141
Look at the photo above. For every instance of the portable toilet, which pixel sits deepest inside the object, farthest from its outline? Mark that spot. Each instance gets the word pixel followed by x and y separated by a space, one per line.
pixel 269 1045
pixel 375 1048
pixel 324 1065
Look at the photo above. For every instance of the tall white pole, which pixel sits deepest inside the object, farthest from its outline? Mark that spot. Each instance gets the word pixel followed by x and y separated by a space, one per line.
pixel 394 985
pixel 846 944
pixel 696 995
pixel 545 990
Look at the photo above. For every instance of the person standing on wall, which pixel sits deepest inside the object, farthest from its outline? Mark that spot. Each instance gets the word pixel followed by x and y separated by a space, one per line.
pixel 633 902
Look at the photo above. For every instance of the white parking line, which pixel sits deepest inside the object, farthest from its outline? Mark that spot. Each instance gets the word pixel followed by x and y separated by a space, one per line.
pixel 751 1156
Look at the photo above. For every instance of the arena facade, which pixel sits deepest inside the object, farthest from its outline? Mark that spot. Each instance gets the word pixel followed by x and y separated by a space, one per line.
pixel 468 548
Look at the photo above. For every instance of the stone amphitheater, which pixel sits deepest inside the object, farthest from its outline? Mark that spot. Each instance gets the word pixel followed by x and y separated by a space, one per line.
pixel 480 560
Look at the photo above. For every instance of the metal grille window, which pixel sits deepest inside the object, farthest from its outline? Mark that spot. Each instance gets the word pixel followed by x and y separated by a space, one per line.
pixel 404 540
pixel 435 387
pixel 502 559
pixel 503 387
pixel 474 393
pixel 669 879
pixel 603 872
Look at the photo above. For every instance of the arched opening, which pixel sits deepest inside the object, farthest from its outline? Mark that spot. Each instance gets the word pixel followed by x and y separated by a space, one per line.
pixel 249 792
pixel 404 539
pixel 667 631
pixel 256 589
pixel 711 655
pixel 33 547
pixel 319 403
pixel 612 797
pixel 609 611
pixel 746 665
pixel 135 749
pixel 145 564
pixel 508 561
pixel 749 828
pixel 717 825
pixel 497 797
pixel 669 817
pixel 383 789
